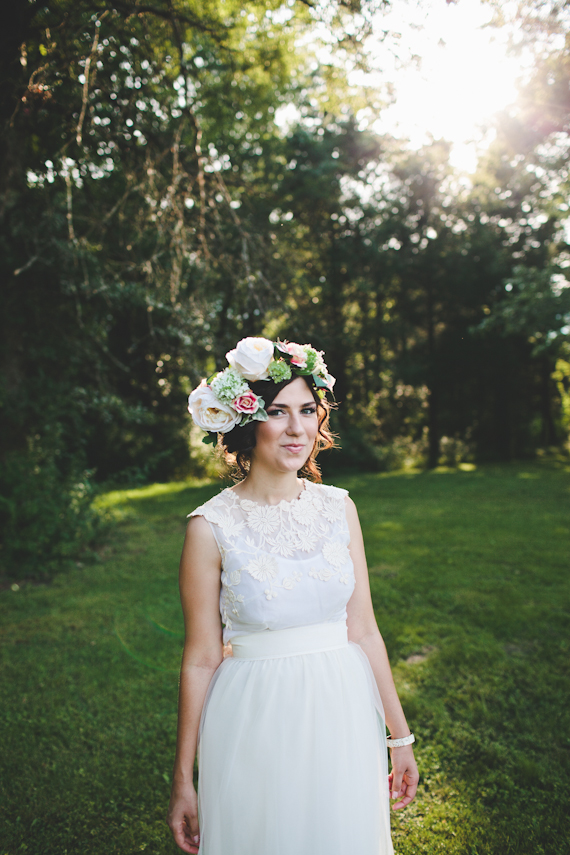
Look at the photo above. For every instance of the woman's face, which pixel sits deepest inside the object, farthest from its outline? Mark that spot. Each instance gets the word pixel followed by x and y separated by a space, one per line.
pixel 286 439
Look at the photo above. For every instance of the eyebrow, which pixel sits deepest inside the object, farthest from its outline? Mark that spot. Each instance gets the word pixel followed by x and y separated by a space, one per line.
pixel 287 407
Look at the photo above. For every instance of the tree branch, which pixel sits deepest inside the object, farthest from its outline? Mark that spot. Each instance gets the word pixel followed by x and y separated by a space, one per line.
pixel 170 15
pixel 79 131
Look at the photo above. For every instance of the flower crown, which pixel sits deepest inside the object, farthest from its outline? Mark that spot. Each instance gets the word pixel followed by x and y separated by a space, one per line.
pixel 226 400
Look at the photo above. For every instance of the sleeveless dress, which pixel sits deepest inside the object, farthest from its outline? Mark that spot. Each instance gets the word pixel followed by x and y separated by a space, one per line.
pixel 292 751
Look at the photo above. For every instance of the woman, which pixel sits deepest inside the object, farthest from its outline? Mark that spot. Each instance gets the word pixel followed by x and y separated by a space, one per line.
pixel 290 729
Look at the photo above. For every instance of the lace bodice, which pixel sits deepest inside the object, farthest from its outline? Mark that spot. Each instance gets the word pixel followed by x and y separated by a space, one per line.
pixel 283 565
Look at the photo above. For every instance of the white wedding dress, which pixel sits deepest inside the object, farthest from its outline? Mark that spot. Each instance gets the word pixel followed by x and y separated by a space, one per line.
pixel 292 747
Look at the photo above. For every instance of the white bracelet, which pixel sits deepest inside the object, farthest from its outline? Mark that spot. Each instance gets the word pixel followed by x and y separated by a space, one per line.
pixel 399 743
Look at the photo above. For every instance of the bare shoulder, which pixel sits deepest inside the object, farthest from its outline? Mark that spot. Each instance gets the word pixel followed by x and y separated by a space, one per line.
pixel 200 544
pixel 351 512
pixel 199 528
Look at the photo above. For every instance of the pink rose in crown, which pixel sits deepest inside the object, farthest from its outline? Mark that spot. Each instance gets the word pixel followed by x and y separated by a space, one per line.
pixel 297 354
pixel 247 403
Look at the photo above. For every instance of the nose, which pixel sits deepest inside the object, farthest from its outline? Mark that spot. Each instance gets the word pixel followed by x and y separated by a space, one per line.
pixel 294 425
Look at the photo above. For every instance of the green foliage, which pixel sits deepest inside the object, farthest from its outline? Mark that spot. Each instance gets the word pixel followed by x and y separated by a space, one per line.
pixel 561 376
pixel 391 277
pixel 470 586
pixel 129 142
pixel 46 519
pixel 536 305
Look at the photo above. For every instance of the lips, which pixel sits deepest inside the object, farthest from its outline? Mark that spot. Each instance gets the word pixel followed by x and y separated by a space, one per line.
pixel 294 448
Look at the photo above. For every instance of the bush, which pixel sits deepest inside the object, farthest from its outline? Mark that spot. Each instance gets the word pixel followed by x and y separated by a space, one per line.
pixel 46 518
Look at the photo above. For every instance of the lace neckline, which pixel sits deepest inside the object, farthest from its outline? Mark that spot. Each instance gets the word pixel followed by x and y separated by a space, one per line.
pixel 284 503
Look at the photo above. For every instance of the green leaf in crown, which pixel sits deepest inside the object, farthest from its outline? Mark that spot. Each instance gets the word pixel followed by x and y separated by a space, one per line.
pixel 320 383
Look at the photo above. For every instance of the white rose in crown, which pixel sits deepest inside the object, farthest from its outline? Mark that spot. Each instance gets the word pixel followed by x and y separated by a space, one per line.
pixel 251 357
pixel 209 413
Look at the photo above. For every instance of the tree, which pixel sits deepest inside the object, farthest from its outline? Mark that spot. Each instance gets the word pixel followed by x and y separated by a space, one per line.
pixel 134 228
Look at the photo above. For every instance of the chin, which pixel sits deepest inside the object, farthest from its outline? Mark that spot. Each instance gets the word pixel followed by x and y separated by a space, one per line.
pixel 293 463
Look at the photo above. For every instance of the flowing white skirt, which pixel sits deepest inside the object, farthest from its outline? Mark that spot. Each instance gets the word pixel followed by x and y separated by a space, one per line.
pixel 292 750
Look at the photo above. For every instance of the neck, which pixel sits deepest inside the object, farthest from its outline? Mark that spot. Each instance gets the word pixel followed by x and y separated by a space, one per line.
pixel 268 486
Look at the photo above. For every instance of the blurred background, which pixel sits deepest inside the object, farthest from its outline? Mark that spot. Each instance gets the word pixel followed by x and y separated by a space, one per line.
pixel 388 181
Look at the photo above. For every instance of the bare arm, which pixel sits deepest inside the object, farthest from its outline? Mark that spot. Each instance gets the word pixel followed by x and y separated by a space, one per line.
pixel 200 566
pixel 363 629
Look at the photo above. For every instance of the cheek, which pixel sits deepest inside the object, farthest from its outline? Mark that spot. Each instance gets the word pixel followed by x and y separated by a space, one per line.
pixel 313 428
pixel 266 432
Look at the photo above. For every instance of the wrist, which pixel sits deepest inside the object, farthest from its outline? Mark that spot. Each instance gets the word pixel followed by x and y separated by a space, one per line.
pixel 182 779
pixel 398 727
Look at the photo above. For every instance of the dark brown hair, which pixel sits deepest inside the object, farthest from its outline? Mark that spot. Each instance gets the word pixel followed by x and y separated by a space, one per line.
pixel 238 443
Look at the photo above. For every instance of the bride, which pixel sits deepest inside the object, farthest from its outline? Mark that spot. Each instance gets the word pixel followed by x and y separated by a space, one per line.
pixel 289 729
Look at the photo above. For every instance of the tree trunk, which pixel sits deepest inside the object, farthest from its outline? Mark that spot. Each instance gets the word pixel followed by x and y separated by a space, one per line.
pixel 549 436
pixel 433 399
pixel 433 429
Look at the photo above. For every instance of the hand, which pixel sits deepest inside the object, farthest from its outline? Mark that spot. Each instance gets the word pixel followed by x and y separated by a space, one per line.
pixel 404 777
pixel 183 818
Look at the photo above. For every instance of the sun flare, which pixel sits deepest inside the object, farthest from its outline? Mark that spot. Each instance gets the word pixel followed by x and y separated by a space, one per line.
pixel 462 77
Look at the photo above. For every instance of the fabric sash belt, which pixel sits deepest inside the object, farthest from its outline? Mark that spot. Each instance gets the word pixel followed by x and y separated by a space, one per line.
pixel 274 644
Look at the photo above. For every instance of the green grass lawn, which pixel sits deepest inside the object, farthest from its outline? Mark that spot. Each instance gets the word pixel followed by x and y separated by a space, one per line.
pixel 470 580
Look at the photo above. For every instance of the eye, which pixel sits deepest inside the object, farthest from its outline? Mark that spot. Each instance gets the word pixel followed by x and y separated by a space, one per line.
pixel 275 412
pixel 309 411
